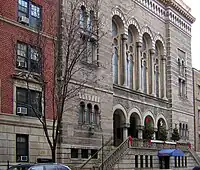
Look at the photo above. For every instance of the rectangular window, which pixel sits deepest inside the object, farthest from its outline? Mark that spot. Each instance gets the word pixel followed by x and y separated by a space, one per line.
pixel 29 13
pixel 28 58
pixel 141 161
pixel 182 161
pixel 186 161
pixel 146 161
pixel 94 152
pixel 84 153
pixel 74 153
pixel 136 161
pixel 179 161
pixel 175 161
pixel 28 102
pixel 151 161
pixel 22 148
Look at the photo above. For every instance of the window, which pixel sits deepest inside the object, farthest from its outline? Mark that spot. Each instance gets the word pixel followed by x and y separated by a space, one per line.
pixel 182 161
pixel 146 161
pixel 29 13
pixel 141 161
pixel 74 153
pixel 90 53
pixel 179 161
pixel 151 161
pixel 94 152
pixel 27 58
pixel 136 161
pixel 28 102
pixel 175 161
pixel 21 148
pixel 89 114
pixel 186 161
pixel 84 153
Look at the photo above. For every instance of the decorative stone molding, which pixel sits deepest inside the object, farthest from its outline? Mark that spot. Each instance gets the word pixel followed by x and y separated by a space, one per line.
pixel 161 12
pixel 147 30
pixel 158 37
pixel 133 21
pixel 89 97
pixel 118 12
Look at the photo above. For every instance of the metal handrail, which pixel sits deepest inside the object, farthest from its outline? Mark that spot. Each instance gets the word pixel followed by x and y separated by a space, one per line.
pixel 195 156
pixel 111 159
pixel 96 153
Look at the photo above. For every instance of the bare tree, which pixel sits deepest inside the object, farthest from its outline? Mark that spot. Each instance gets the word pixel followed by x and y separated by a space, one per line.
pixel 75 56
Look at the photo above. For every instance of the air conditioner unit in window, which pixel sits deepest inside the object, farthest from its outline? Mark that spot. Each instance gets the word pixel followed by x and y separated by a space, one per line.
pixel 22 64
pixel 23 158
pixel 22 110
pixel 24 20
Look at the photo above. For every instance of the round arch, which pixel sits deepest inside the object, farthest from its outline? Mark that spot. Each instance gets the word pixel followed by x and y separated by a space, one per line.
pixel 132 22
pixel 148 113
pixel 146 30
pixel 158 37
pixel 161 116
pixel 137 111
pixel 120 107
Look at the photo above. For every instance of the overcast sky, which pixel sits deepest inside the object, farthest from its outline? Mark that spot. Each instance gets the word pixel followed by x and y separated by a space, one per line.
pixel 195 4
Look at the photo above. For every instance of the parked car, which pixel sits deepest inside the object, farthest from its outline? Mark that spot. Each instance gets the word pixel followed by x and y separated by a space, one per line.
pixel 196 168
pixel 21 167
pixel 40 166
pixel 49 166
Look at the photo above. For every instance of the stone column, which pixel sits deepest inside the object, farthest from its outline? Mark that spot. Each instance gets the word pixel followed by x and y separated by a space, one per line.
pixel 154 134
pixel 125 127
pixel 124 39
pixel 138 66
pixel 152 77
pixel 140 131
pixel 164 78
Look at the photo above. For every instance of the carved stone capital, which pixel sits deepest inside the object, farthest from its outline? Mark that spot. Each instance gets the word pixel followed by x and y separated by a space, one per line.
pixel 139 44
pixel 152 51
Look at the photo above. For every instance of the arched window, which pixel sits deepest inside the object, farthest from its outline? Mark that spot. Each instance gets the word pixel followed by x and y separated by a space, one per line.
pixel 157 78
pixel 183 131
pixel 180 129
pixel 179 66
pixel 90 20
pixel 96 115
pixel 183 68
pixel 83 17
pixel 115 57
pixel 186 131
pixel 89 113
pixel 82 112
pixel 144 66
pixel 130 59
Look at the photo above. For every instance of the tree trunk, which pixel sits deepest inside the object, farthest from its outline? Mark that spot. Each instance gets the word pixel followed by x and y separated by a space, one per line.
pixel 53 154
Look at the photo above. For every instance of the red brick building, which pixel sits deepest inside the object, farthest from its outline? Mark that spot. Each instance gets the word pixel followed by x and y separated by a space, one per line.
pixel 27 28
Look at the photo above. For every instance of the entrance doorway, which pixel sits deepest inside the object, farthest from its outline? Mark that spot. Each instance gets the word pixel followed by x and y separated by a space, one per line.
pixel 118 120
pixel 164 162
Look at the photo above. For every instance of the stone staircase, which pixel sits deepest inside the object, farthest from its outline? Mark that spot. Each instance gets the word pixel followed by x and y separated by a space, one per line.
pixel 108 155
pixel 123 156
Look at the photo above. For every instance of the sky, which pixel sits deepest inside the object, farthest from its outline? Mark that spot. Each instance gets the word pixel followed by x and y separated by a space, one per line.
pixel 195 4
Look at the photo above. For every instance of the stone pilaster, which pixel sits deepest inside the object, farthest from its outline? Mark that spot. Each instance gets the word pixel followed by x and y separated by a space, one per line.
pixel 152 73
pixel 164 78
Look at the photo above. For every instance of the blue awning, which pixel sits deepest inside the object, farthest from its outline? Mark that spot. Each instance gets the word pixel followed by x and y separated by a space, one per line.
pixel 170 152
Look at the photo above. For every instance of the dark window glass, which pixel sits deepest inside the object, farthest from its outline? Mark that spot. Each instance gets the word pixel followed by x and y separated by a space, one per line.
pixel 182 161
pixel 84 153
pixel 28 58
pixel 21 148
pixel 151 161
pixel 94 152
pixel 141 161
pixel 186 161
pixel 175 161
pixel 31 11
pixel 28 102
pixel 74 153
pixel 136 161
pixel 179 161
pixel 146 161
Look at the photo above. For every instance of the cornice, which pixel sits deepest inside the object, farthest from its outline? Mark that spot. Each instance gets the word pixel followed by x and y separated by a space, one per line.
pixel 178 8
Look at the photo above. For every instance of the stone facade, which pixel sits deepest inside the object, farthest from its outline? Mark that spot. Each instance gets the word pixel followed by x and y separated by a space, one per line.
pixel 196 84
pixel 150 39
